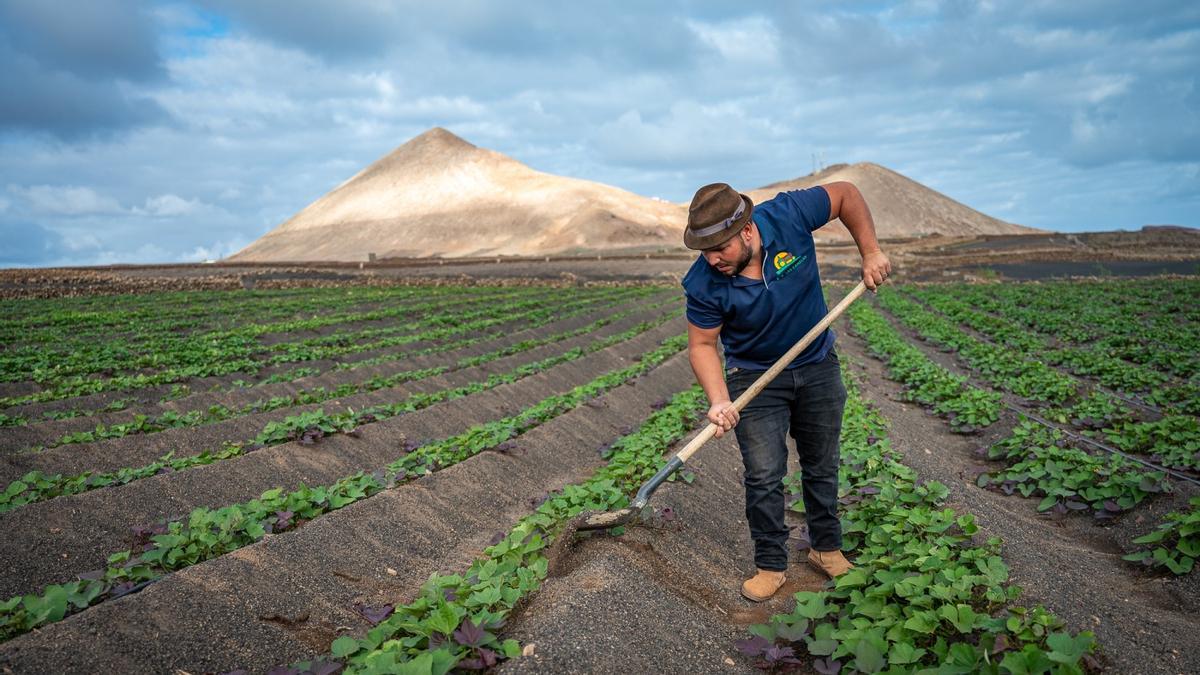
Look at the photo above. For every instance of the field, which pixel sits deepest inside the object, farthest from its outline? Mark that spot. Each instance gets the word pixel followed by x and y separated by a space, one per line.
pixel 381 478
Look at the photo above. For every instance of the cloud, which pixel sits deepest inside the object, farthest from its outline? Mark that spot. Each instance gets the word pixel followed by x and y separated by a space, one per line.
pixel 27 243
pixel 688 133
pixel 169 205
pixel 69 67
pixel 66 200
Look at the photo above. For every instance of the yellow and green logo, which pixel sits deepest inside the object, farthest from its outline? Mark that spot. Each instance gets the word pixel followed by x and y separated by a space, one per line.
pixel 784 262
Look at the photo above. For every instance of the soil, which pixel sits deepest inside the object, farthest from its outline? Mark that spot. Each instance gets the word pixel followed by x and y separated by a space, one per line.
pixel 1144 623
pixel 661 597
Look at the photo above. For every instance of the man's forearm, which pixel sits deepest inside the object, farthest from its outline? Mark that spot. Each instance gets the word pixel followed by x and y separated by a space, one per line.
pixel 706 364
pixel 856 216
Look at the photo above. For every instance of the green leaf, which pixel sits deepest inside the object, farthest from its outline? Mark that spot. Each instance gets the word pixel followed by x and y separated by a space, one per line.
pixel 921 622
pixel 904 652
pixel 867 657
pixel 1067 649
pixel 344 646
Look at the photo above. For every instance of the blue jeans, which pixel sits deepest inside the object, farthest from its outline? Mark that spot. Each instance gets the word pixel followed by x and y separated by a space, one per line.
pixel 807 403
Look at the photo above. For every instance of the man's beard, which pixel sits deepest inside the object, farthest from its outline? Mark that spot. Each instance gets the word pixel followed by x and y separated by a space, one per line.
pixel 742 261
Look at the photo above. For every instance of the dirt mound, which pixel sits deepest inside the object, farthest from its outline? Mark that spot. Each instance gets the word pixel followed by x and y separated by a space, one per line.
pixel 902 207
pixel 438 195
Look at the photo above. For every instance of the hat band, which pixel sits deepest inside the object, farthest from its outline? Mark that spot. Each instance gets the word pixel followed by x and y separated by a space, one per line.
pixel 713 229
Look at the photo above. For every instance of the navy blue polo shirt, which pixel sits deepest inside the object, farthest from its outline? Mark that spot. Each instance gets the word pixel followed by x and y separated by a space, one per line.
pixel 761 319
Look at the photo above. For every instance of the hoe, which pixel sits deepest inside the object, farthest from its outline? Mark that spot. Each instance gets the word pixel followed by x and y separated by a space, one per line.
pixel 607 519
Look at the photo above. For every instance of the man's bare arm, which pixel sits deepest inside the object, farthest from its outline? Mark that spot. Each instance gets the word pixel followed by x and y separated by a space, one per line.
pixel 706 364
pixel 847 203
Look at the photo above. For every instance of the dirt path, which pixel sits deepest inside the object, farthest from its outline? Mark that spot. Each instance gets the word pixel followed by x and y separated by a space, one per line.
pixel 1073 567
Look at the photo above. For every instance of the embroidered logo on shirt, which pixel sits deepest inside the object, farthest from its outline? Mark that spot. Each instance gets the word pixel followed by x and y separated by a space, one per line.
pixel 785 262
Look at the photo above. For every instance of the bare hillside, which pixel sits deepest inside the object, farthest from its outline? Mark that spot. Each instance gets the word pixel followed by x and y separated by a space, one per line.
pixel 438 195
pixel 901 207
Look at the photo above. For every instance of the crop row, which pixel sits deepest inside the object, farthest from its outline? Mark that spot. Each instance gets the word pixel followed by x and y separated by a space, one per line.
pixel 48 366
pixel 1173 439
pixel 1091 360
pixel 174 419
pixel 207 533
pixel 923 596
pixel 449 321
pixel 55 322
pixel 497 322
pixel 455 620
pixel 966 407
pixel 1150 323
pixel 1041 462
pixel 308 427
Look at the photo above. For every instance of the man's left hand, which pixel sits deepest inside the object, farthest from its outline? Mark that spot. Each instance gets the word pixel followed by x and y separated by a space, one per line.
pixel 875 269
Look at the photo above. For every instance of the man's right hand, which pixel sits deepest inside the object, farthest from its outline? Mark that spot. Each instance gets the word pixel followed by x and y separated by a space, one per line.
pixel 724 416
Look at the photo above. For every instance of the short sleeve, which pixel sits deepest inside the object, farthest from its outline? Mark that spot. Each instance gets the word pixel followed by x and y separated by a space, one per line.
pixel 702 313
pixel 810 207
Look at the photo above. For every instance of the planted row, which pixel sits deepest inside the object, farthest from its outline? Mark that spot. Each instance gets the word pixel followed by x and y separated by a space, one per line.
pixel 143 424
pixel 208 533
pixel 967 408
pixel 308 427
pixel 923 596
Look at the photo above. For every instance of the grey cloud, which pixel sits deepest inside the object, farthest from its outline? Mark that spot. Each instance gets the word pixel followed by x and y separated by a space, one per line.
pixel 25 243
pixel 110 40
pixel 361 29
pixel 71 70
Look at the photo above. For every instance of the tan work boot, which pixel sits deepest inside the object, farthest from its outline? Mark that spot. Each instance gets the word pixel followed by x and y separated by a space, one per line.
pixel 762 585
pixel 832 563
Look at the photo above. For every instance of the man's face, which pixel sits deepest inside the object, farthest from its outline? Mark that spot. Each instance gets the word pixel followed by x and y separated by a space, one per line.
pixel 731 257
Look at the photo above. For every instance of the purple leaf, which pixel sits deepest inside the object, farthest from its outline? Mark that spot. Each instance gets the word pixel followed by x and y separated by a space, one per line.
pixel 283 670
pixel 752 646
pixel 436 640
pixel 1001 644
pixel 1059 508
pixel 450 594
pixel 374 614
pixel 488 656
pixel 91 576
pixel 496 538
pixel 284 515
pixel 1075 506
pixel 165 469
pixel 365 418
pixel 1111 506
pixel 470 635
pixel 868 490
pixel 535 502
pixel 239 671
pixel 253 447
pixel 827 666
pixel 774 654
pixel 659 404
pixel 803 541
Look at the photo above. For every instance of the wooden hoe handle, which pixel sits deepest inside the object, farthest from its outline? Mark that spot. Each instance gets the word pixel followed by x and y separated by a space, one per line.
pixel 774 371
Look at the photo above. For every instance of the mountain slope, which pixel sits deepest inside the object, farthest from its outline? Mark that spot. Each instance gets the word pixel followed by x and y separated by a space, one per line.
pixel 438 195
pixel 900 206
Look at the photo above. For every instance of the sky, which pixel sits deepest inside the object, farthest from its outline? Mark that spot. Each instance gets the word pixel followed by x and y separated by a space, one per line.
pixel 137 132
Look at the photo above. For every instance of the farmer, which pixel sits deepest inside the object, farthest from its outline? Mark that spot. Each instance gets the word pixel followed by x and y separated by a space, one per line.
pixel 756 286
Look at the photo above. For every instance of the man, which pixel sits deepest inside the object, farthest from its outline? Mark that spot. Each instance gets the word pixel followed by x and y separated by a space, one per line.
pixel 756 287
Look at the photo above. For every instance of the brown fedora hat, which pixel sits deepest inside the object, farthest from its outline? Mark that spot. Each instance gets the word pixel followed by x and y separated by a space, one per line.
pixel 717 213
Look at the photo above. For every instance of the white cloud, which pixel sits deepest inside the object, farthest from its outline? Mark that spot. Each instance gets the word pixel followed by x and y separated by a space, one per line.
pixel 67 200
pixel 750 40
pixel 217 250
pixel 169 205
